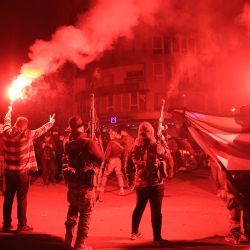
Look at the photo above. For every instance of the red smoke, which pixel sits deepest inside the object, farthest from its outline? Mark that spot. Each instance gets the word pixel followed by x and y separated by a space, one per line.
pixel 95 32
pixel 221 27
pixel 222 30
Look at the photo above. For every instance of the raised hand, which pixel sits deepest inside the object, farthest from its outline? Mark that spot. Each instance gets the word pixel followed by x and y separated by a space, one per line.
pixel 52 118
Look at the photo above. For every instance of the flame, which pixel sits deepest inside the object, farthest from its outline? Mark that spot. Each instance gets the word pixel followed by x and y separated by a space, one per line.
pixel 21 82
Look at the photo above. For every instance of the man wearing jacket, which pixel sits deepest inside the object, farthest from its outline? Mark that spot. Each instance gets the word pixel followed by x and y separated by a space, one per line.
pixel 146 155
pixel 81 163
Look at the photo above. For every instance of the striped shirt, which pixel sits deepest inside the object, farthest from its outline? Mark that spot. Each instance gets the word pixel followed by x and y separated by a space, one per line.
pixel 19 151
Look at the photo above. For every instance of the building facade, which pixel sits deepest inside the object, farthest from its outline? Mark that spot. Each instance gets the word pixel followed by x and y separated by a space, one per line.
pixel 130 81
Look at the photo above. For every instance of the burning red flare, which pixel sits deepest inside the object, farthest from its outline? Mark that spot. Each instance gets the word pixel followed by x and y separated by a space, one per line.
pixel 21 82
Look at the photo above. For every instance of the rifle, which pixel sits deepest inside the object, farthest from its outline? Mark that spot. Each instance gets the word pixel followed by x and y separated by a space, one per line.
pixel 160 122
pixel 163 141
pixel 94 124
pixel 96 135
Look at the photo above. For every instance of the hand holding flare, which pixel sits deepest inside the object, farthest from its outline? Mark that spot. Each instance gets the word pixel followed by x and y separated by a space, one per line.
pixel 21 82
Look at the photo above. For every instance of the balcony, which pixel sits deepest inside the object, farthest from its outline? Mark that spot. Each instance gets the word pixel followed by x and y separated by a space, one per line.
pixel 114 89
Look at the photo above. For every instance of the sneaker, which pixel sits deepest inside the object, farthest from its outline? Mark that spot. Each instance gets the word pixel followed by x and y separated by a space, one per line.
pixel 247 238
pixel 122 191
pixel 161 242
pixel 82 246
pixel 24 229
pixel 182 169
pixel 68 238
pixel 7 229
pixel 232 239
pixel 135 236
pixel 131 187
pixel 222 194
pixel 99 197
pixel 99 194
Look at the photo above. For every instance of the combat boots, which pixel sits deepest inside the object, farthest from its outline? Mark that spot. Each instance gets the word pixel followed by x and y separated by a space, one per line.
pixel 68 237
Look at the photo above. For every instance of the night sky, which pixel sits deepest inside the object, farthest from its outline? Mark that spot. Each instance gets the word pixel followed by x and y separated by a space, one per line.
pixel 21 24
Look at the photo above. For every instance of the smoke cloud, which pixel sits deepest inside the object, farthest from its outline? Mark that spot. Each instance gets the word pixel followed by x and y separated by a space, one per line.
pixel 222 32
pixel 95 32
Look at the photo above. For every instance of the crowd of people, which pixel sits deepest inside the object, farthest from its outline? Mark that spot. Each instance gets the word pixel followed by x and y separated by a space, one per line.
pixel 140 164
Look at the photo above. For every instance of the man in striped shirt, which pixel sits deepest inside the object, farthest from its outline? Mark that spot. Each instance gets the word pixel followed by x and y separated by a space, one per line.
pixel 19 158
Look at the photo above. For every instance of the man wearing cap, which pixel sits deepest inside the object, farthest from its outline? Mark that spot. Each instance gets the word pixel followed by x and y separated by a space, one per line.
pixel 19 159
pixel 81 163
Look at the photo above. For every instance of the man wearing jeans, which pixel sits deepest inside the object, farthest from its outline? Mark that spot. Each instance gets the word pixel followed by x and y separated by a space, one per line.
pixel 19 159
pixel 146 154
pixel 2 179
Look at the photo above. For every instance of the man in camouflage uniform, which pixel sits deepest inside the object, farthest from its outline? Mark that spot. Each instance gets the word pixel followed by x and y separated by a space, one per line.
pixel 81 164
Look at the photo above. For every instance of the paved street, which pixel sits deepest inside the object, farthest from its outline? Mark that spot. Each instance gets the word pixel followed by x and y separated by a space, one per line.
pixel 193 217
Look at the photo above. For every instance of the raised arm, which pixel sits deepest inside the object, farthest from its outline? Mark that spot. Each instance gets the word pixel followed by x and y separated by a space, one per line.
pixel 43 129
pixel 7 122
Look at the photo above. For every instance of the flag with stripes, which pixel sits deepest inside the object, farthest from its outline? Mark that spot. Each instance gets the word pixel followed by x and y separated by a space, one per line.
pixel 224 138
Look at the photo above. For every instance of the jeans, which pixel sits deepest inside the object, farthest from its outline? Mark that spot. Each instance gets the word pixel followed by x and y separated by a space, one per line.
pixel 49 171
pixel 2 179
pixel 153 194
pixel 16 183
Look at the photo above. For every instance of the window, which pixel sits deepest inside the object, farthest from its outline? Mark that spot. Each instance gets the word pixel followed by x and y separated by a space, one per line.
pixel 134 76
pixel 142 102
pixel 125 102
pixel 79 108
pixel 158 71
pixel 191 44
pixel 80 84
pixel 157 45
pixel 108 80
pixel 168 45
pixel 118 103
pixel 168 72
pixel 134 73
pixel 103 104
pixel 176 45
pixel 134 101
pixel 110 103
pixel 184 45
pixel 82 107
pixel 158 97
